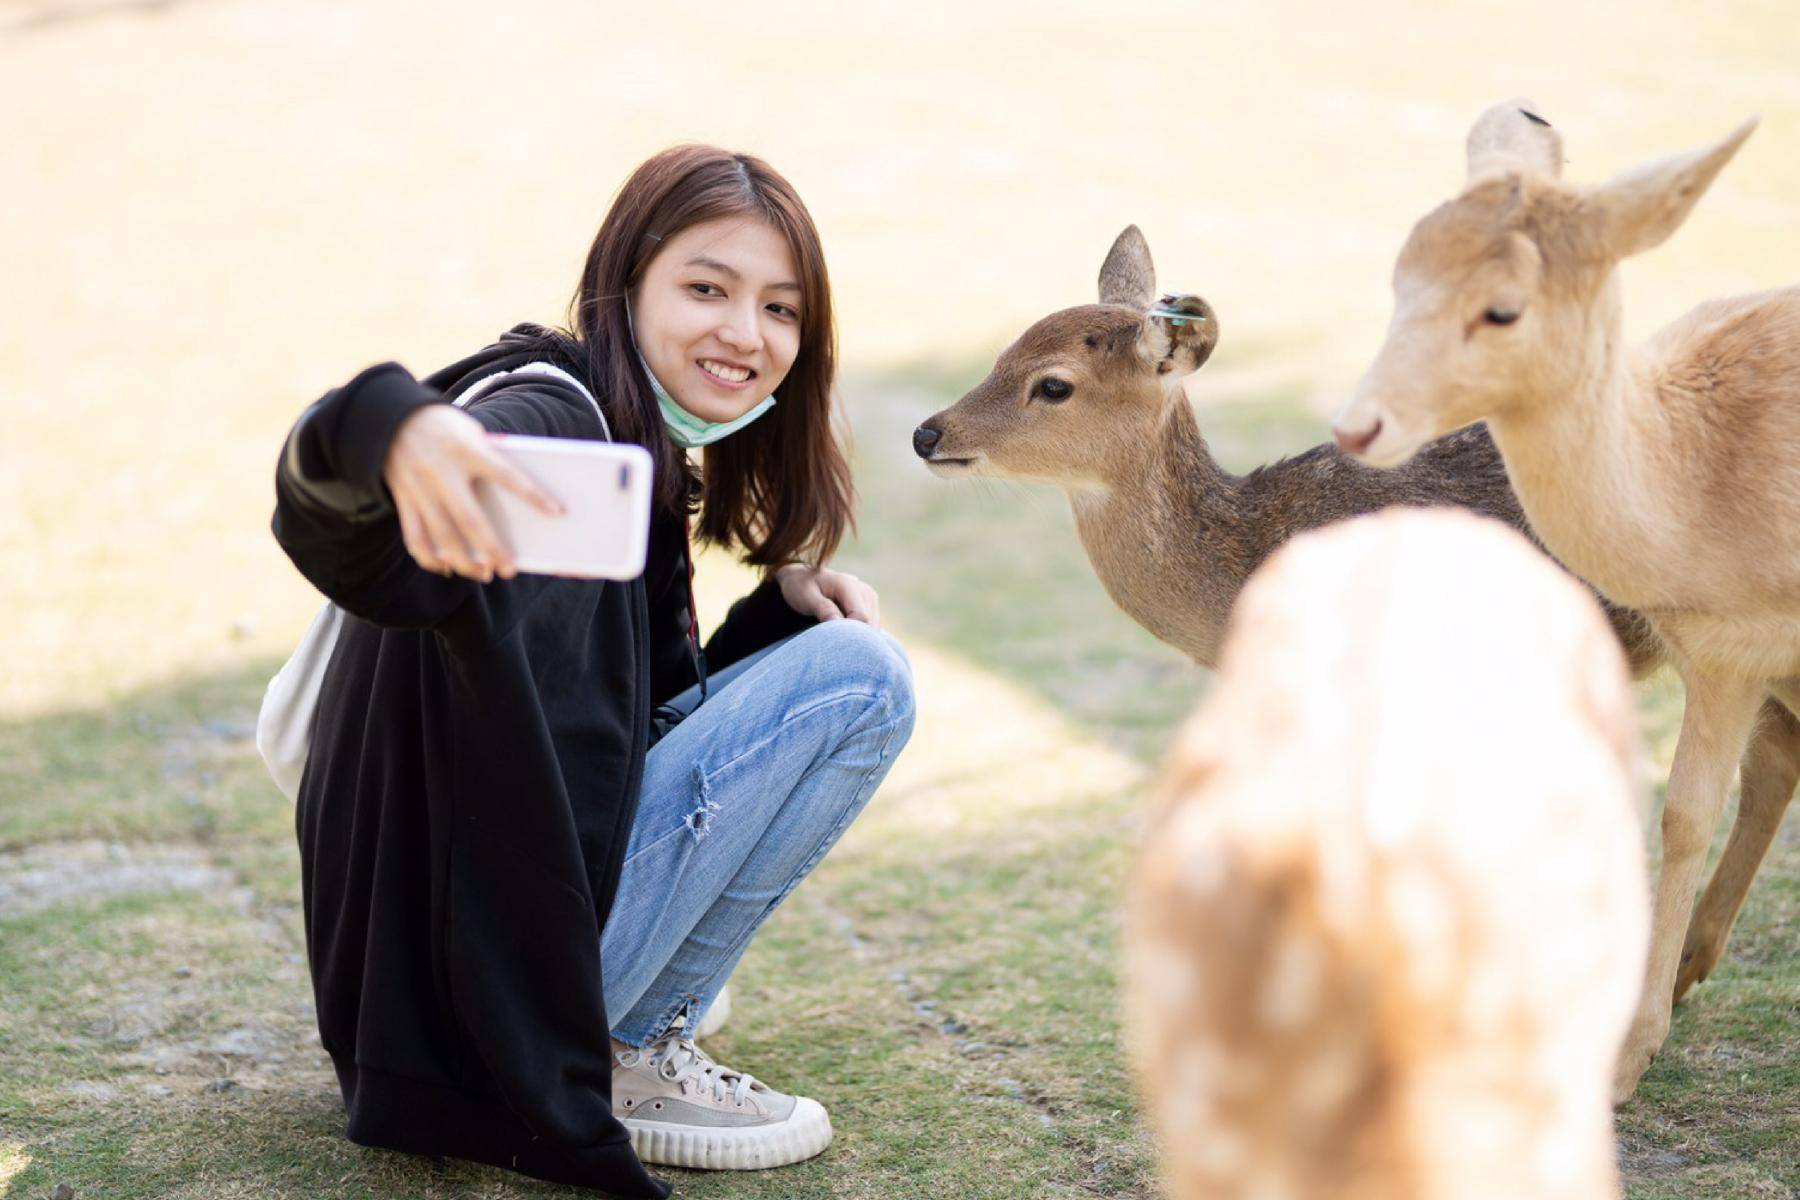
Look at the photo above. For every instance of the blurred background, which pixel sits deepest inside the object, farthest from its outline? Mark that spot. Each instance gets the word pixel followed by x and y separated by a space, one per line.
pixel 217 209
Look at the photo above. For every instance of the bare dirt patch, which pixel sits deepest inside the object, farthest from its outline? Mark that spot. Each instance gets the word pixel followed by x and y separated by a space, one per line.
pixel 40 877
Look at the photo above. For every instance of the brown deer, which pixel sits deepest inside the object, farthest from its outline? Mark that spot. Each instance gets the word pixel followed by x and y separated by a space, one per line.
pixel 1388 923
pixel 1090 399
pixel 1667 475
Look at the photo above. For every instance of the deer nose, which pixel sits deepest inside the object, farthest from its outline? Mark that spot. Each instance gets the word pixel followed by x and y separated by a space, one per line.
pixel 925 440
pixel 1356 441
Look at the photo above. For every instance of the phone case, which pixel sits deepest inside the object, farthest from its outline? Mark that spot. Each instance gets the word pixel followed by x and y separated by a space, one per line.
pixel 604 488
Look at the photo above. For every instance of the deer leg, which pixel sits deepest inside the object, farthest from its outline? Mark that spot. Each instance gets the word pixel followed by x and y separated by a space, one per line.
pixel 1767 775
pixel 1714 730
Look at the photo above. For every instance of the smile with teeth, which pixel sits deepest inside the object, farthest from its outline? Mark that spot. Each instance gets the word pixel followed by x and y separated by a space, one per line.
pixel 724 373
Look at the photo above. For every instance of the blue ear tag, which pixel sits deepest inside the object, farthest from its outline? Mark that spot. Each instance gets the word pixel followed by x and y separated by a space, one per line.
pixel 1175 316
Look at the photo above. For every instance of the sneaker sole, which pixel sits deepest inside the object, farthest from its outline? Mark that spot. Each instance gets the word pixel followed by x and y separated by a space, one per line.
pixel 806 1133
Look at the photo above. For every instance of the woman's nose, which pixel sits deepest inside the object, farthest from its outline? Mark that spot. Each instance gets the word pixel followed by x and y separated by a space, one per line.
pixel 742 333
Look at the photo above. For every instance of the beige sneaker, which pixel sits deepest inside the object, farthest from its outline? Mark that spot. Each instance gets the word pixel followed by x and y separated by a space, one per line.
pixel 685 1110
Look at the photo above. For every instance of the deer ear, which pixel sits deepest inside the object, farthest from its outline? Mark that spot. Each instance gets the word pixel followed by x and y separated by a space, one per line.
pixel 1127 276
pixel 1179 335
pixel 1511 136
pixel 1641 208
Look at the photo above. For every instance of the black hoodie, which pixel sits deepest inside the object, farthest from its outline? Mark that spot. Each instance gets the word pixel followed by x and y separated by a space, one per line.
pixel 470 790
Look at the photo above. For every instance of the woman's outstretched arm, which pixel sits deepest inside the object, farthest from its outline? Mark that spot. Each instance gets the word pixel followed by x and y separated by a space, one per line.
pixel 375 492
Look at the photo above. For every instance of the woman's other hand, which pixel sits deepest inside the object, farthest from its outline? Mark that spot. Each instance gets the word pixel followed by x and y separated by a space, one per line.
pixel 432 466
pixel 828 595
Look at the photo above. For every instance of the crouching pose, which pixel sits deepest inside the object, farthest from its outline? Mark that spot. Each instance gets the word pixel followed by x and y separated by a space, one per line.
pixel 506 765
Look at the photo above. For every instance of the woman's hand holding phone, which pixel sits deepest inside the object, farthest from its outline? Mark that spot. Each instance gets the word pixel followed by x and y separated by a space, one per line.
pixel 827 594
pixel 437 457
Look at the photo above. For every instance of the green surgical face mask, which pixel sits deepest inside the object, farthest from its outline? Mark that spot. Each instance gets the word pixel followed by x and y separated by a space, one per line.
pixel 688 430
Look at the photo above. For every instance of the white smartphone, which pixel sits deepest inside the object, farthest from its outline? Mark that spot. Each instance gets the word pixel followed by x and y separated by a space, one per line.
pixel 604 487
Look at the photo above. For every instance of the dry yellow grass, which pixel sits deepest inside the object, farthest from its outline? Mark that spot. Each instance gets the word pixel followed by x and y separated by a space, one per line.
pixel 217 208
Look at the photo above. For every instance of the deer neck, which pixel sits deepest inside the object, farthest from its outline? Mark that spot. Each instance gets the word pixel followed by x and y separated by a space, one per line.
pixel 1581 459
pixel 1161 530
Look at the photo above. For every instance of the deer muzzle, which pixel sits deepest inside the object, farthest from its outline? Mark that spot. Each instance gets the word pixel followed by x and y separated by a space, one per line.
pixel 925 440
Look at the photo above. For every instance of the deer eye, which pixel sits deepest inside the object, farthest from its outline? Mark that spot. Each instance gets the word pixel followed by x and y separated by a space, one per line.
pixel 1499 315
pixel 1053 389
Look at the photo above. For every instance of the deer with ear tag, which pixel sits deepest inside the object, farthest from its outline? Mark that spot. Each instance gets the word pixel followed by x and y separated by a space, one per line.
pixel 1667 475
pixel 1090 399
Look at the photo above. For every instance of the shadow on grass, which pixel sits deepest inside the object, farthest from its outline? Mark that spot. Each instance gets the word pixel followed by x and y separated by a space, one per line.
pixel 156 1030
pixel 172 762
pixel 994 572
pixel 952 992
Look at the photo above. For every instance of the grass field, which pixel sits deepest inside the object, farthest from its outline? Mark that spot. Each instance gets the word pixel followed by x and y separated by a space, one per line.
pixel 945 982
pixel 220 207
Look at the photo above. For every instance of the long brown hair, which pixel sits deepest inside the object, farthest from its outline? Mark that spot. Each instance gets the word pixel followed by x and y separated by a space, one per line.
pixel 779 488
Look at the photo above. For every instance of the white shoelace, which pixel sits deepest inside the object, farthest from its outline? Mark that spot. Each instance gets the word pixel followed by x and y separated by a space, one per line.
pixel 678 1060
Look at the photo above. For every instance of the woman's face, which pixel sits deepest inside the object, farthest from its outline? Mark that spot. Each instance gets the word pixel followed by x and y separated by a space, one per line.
pixel 717 315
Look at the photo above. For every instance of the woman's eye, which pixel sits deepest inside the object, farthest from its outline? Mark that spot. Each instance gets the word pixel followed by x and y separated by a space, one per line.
pixel 1500 316
pixel 706 289
pixel 1053 389
pixel 784 311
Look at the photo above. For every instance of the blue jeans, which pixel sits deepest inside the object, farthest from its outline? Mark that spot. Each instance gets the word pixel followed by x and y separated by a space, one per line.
pixel 740 802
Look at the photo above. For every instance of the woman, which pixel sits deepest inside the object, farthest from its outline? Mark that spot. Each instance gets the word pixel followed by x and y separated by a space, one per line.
pixel 504 764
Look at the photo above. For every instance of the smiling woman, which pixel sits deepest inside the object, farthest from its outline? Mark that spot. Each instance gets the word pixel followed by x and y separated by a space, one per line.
pixel 504 764
pixel 726 327
pixel 718 261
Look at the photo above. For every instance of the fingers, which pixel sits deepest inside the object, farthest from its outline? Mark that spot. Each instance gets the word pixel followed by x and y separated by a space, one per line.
pixel 856 599
pixel 412 532
pixel 441 521
pixel 856 606
pixel 447 543
pixel 485 463
pixel 828 595
pixel 487 551
pixel 870 607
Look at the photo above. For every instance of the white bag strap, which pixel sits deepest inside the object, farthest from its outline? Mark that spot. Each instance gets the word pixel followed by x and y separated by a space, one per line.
pixel 284 725
pixel 487 383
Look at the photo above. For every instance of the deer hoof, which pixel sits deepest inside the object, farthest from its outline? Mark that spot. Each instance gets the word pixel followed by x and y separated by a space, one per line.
pixel 1698 958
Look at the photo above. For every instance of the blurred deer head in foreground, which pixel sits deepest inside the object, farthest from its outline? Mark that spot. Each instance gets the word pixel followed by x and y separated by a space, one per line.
pixel 1388 924
pixel 1502 295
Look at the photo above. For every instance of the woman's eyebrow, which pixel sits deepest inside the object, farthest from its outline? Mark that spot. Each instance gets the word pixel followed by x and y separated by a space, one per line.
pixel 731 272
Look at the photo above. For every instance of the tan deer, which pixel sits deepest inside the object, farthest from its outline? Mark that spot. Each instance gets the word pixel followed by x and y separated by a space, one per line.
pixel 1090 399
pixel 1388 924
pixel 1667 475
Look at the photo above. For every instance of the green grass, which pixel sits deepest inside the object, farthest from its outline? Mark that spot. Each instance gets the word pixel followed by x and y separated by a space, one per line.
pixel 946 982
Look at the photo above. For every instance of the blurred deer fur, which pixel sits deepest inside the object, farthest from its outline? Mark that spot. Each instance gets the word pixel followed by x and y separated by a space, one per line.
pixel 1388 923
pixel 1667 475
pixel 1173 535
